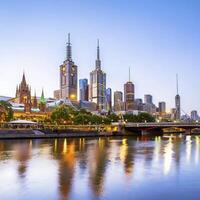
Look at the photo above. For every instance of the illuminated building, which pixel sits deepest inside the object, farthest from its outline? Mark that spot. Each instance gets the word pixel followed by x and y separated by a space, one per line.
pixel 23 95
pixel 129 95
pixel 98 84
pixel 42 103
pixel 68 76
pixel 162 107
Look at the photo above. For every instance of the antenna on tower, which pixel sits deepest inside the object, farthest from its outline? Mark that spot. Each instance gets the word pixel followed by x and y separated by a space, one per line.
pixel 177 83
pixel 69 49
pixel 129 74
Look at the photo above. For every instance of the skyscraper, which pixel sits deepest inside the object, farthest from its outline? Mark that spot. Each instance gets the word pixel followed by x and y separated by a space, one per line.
pixel 83 89
pixel 177 102
pixel 68 76
pixel 118 101
pixel 194 115
pixel 162 107
pixel 129 95
pixel 98 84
pixel 148 99
pixel 108 99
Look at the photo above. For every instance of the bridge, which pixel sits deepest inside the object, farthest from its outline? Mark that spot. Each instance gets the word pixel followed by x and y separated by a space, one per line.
pixel 156 128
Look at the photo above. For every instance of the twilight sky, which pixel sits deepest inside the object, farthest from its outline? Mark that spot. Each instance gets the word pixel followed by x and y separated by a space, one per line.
pixel 156 38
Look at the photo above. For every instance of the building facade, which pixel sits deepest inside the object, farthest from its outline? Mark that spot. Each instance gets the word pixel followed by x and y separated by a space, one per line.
pixel 148 99
pixel 83 90
pixel 98 84
pixel 118 101
pixel 129 96
pixel 23 95
pixel 68 76
pixel 194 115
pixel 177 103
pixel 109 99
pixel 162 107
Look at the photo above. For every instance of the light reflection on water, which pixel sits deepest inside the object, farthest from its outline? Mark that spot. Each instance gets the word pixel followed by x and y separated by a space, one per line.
pixel 100 168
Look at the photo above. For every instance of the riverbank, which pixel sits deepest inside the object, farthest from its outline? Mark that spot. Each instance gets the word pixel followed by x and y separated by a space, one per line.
pixel 35 134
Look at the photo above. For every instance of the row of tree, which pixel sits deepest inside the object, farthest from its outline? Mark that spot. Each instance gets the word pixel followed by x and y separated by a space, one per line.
pixel 67 115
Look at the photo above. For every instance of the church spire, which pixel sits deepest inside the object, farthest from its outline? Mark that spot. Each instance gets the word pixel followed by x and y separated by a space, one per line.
pixel 98 61
pixel 69 48
pixel 23 78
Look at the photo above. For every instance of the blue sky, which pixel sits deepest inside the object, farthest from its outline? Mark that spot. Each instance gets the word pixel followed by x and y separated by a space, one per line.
pixel 156 38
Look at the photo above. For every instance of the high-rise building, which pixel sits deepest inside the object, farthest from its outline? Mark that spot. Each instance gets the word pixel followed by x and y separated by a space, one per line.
pixel 83 89
pixel 162 107
pixel 108 99
pixel 148 99
pixel 194 115
pixel 118 101
pixel 129 95
pixel 98 84
pixel 177 102
pixel 138 104
pixel 68 76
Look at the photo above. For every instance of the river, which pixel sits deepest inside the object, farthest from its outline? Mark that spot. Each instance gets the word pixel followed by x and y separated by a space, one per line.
pixel 152 168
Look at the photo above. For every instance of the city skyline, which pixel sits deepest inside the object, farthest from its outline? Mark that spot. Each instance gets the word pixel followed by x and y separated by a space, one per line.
pixel 41 60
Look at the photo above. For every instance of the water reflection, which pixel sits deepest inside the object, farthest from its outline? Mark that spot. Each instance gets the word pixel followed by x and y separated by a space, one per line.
pixel 97 168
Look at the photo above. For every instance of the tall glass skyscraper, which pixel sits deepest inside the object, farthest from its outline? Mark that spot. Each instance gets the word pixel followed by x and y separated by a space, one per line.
pixel 68 76
pixel 98 84
pixel 83 90
pixel 109 99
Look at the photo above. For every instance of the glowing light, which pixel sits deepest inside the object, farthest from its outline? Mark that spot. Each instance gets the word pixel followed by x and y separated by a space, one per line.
pixel 65 146
pixel 168 156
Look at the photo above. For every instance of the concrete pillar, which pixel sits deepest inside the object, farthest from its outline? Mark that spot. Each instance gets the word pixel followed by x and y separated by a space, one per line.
pixel 188 131
pixel 144 132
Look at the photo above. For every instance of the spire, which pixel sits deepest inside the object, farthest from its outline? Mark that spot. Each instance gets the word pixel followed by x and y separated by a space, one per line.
pixel 42 99
pixel 177 84
pixel 23 78
pixel 69 48
pixel 129 74
pixel 98 61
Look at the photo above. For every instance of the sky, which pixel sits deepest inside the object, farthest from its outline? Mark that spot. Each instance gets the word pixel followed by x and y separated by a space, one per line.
pixel 155 38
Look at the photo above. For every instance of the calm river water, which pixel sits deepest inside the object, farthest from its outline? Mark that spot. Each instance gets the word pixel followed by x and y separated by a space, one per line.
pixel 100 168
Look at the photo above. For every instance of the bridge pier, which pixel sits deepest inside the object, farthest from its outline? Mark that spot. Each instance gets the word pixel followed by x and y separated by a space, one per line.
pixel 188 131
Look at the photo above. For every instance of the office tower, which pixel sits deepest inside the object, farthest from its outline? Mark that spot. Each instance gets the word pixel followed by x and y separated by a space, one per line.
pixel 68 76
pixel 162 107
pixel 98 84
pixel 129 95
pixel 83 90
pixel 148 99
pixel 118 101
pixel 177 102
pixel 108 99
pixel 194 115
pixel 138 104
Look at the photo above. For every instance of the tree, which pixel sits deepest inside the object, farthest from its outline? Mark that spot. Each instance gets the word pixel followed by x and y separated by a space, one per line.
pixel 145 117
pixel 61 115
pixel 141 117
pixel 6 112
